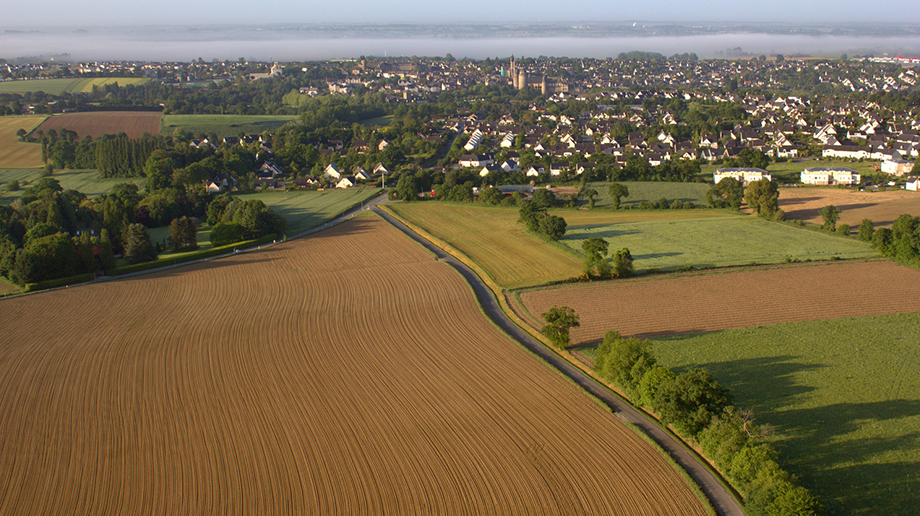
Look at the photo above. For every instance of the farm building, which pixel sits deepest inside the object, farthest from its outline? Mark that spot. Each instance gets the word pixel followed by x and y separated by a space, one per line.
pixel 743 175
pixel 830 176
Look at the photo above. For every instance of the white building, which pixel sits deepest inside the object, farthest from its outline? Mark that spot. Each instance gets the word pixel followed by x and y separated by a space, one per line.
pixel 743 175
pixel 898 167
pixel 829 176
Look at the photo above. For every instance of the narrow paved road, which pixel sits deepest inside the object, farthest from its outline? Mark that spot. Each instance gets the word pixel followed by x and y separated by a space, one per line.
pixel 724 502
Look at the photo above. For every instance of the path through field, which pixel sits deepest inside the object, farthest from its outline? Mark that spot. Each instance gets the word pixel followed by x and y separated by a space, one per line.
pixel 347 373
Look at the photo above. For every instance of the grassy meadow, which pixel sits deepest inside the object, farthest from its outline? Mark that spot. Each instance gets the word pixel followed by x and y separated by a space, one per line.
pixel 86 181
pixel 308 209
pixel 843 396
pixel 652 191
pixel 666 239
pixel 72 85
pixel 224 125
pixel 704 238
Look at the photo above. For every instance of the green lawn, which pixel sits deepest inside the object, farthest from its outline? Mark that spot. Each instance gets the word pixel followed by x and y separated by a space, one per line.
pixel 306 210
pixel 86 181
pixel 380 120
pixel 224 125
pixel 718 240
pixel 59 86
pixel 843 395
pixel 652 191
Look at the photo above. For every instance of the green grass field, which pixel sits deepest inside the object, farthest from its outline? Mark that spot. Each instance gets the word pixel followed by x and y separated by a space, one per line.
pixel 86 181
pixel 224 125
pixel 665 239
pixel 843 395
pixel 306 210
pixel 58 86
pixel 491 237
pixel 651 191
pixel 380 120
pixel 14 153
pixel 703 238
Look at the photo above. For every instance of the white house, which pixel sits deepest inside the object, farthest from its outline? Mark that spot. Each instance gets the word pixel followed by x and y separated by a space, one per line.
pixel 533 171
pixel 332 172
pixel 845 151
pixel 507 141
pixel 345 182
pixel 912 184
pixel 743 175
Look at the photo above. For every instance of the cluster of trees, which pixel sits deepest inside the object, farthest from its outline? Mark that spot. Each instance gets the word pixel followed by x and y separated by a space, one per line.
pixel 901 241
pixel 597 265
pixel 534 215
pixel 52 233
pixel 697 407
pixel 727 193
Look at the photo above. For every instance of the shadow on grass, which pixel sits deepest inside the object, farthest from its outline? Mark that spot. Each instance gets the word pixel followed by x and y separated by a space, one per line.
pixel 822 445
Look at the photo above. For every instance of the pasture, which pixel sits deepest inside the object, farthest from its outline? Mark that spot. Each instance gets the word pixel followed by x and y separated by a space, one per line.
pixel 718 300
pixel 491 237
pixel 652 191
pixel 98 123
pixel 843 395
pixel 224 125
pixel 305 210
pixel 85 181
pixel 14 153
pixel 882 208
pixel 72 85
pixel 702 238
pixel 320 376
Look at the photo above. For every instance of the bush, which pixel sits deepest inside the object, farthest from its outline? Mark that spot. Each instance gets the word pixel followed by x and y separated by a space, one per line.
pixel 843 229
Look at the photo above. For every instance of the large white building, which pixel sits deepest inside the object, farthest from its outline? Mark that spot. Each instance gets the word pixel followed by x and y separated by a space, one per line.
pixel 830 176
pixel 743 175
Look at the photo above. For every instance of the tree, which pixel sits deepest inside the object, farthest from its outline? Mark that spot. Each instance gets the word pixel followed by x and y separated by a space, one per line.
pixel 595 250
pixel 543 198
pixel 590 194
pixel 691 400
pixel 552 227
pixel 491 195
pixel 623 263
pixel 559 320
pixel 617 192
pixel 224 233
pixel 727 193
pixel 865 230
pixel 158 169
pixel 830 214
pixel 762 197
pixel 406 188
pixel 137 245
pixel 183 234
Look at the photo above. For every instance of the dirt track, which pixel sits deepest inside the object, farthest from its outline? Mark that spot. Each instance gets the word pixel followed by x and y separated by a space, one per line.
pixel 719 300
pixel 270 383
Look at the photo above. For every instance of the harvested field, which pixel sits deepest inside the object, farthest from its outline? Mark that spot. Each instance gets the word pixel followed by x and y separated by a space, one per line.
pixel 699 302
pixel 72 85
pixel 14 153
pixel 880 207
pixel 95 124
pixel 225 125
pixel 349 373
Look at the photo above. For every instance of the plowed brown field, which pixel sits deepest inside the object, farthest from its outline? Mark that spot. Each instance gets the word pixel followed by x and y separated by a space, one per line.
pixel 694 303
pixel 97 123
pixel 882 208
pixel 348 373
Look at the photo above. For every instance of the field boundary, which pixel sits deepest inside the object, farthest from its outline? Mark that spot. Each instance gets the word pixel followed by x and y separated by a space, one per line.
pixel 723 498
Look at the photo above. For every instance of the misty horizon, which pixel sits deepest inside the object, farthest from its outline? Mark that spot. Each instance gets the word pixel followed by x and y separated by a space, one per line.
pixel 307 42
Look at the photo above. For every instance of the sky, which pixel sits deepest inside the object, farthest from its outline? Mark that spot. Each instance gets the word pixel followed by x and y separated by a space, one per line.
pixel 71 13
